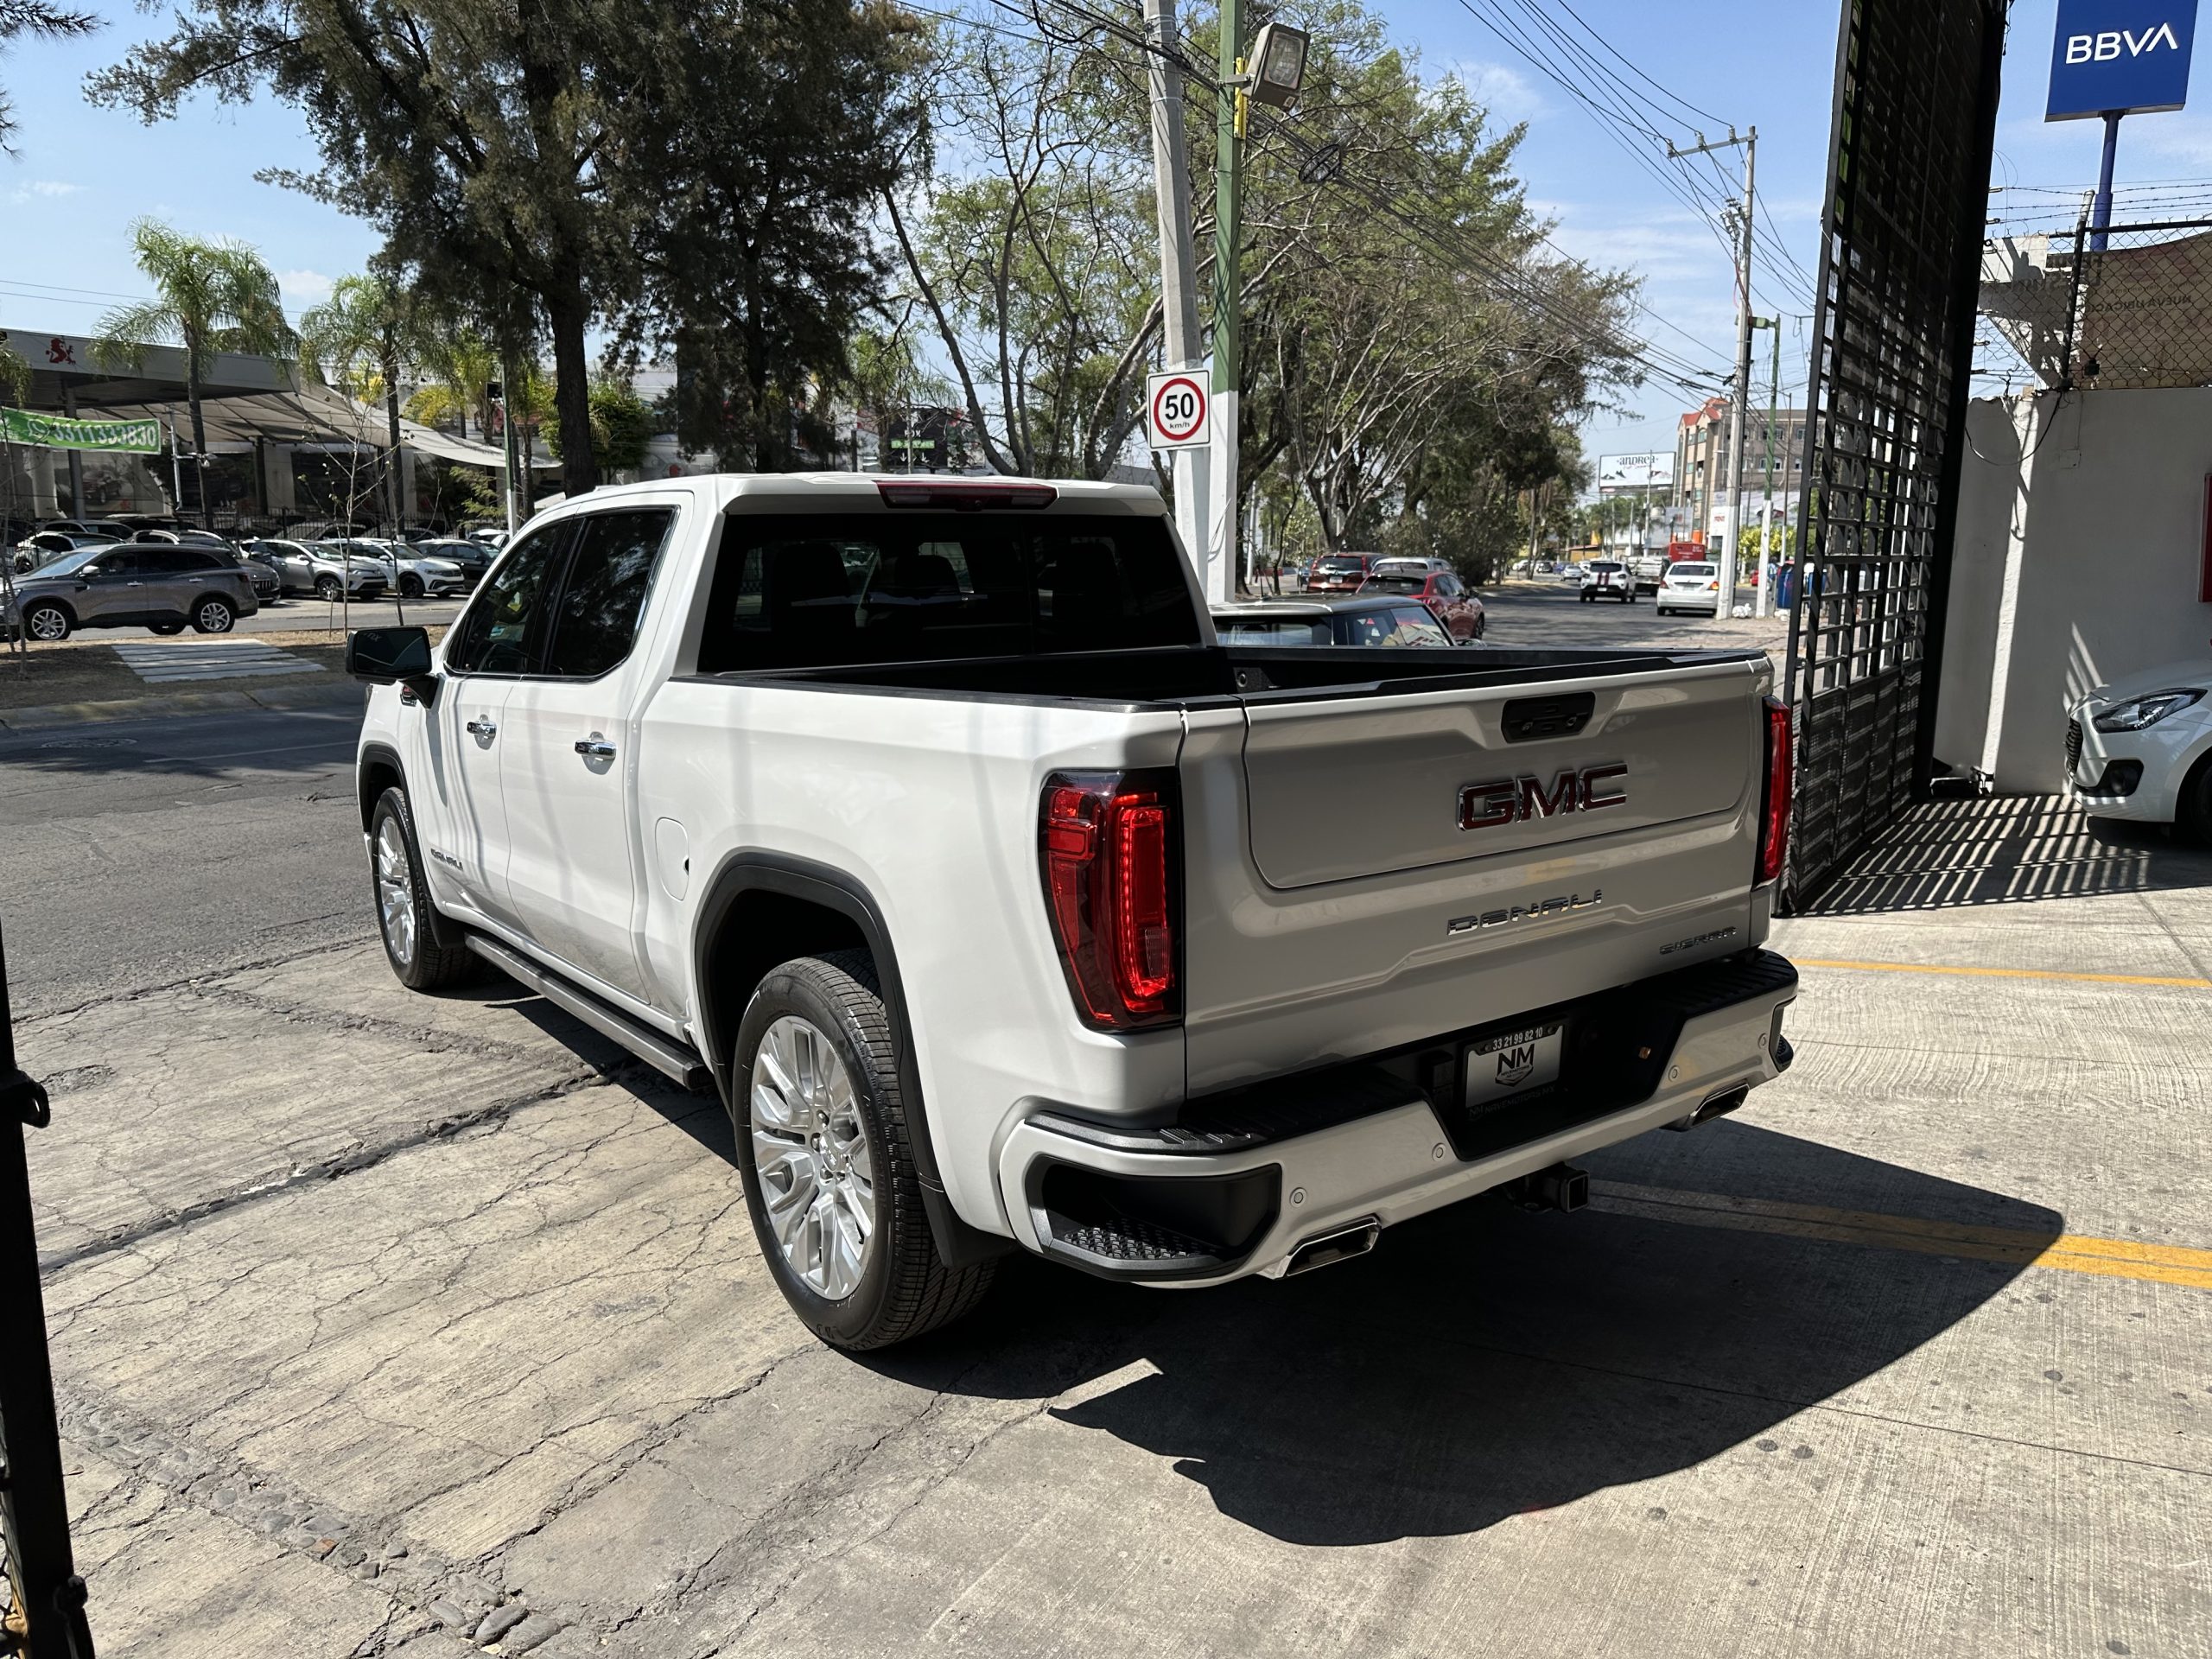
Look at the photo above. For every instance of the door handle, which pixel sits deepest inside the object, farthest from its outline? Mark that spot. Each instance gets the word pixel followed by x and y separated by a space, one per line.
pixel 481 728
pixel 592 749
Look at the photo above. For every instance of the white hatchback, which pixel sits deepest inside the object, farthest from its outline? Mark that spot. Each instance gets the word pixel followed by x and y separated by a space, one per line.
pixel 1690 586
pixel 2141 748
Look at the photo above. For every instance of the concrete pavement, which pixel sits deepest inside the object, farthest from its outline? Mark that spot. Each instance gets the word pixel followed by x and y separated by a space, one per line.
pixel 377 1316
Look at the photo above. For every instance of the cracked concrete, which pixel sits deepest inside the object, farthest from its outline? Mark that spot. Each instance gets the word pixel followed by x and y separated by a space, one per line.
pixel 375 1316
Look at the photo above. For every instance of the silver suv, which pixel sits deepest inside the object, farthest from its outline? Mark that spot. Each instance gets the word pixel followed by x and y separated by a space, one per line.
pixel 132 584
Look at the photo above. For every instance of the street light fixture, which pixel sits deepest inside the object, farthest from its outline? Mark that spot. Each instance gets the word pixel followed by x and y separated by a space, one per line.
pixel 1278 61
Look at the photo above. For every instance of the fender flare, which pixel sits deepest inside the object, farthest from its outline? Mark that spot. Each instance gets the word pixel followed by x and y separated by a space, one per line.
pixel 445 932
pixel 958 1243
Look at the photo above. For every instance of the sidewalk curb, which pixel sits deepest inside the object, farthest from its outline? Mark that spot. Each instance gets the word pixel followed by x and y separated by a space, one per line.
pixel 45 717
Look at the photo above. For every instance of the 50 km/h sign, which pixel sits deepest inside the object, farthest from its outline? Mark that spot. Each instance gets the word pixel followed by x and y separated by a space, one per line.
pixel 1175 409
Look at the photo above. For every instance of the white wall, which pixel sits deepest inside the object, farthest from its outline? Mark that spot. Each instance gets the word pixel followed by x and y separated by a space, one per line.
pixel 2080 536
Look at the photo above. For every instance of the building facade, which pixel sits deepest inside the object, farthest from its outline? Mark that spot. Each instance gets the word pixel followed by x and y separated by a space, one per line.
pixel 1701 461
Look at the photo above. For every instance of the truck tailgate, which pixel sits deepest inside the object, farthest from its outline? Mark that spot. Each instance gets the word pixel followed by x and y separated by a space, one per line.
pixel 1367 873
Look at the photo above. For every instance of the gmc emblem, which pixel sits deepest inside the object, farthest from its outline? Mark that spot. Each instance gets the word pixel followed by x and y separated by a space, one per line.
pixel 1517 800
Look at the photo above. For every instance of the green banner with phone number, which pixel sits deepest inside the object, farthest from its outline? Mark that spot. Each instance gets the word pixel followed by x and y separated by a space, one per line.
pixel 60 432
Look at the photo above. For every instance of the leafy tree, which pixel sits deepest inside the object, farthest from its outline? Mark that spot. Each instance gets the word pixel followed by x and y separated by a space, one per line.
pixel 622 424
pixel 470 134
pixel 776 127
pixel 211 294
pixel 368 332
pixel 43 20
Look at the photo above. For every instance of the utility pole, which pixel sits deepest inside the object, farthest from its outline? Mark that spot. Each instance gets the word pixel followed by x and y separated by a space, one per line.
pixel 1761 601
pixel 1732 481
pixel 507 387
pixel 1228 297
pixel 1178 263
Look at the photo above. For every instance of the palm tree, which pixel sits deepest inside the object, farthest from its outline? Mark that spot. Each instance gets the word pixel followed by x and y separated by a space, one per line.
pixel 211 294
pixel 364 335
pixel 462 365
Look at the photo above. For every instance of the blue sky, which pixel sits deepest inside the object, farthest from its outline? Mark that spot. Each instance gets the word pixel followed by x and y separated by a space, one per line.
pixel 83 174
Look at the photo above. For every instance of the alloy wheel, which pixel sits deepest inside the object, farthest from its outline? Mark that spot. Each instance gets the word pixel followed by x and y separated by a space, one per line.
pixel 818 1180
pixel 395 892
pixel 49 624
pixel 215 617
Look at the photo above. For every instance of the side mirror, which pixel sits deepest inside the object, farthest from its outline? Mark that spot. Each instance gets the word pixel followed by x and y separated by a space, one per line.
pixel 384 656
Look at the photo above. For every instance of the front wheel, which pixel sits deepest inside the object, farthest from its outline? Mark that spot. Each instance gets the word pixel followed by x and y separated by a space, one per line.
pixel 824 1147
pixel 410 588
pixel 214 616
pixel 404 902
pixel 47 622
pixel 330 587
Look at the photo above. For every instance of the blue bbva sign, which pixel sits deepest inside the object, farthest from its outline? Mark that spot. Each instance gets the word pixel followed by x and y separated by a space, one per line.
pixel 2124 55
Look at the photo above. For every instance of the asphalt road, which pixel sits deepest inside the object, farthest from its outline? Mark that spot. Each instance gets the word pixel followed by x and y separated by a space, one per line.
pixel 377 1317
pixel 133 852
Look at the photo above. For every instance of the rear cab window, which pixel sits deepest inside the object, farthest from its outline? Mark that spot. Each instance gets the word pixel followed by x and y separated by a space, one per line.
pixel 820 590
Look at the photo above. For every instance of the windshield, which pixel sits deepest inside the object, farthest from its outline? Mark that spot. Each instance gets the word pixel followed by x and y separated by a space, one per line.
pixel 1394 584
pixel 1601 564
pixel 1277 630
pixel 1691 570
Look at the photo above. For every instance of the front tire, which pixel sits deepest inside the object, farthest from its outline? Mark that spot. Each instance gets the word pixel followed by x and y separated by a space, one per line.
pixel 214 616
pixel 2194 818
pixel 49 624
pixel 824 1147
pixel 404 902
pixel 410 588
pixel 330 587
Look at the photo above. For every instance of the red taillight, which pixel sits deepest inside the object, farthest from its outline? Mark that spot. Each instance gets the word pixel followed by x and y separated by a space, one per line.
pixel 1107 843
pixel 1781 782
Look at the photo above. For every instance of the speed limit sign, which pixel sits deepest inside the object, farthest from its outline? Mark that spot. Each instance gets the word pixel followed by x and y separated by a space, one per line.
pixel 1175 409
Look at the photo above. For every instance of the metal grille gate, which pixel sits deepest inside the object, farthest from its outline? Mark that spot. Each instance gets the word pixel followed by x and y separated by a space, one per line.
pixel 1916 112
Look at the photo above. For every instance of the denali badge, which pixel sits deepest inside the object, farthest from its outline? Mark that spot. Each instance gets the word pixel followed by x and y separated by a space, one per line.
pixel 1559 906
pixel 1516 800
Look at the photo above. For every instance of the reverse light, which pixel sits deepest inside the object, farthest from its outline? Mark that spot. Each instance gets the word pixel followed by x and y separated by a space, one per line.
pixel 1106 842
pixel 2149 709
pixel 1781 783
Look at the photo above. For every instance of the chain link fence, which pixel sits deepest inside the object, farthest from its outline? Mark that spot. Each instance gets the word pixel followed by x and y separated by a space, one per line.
pixel 2127 308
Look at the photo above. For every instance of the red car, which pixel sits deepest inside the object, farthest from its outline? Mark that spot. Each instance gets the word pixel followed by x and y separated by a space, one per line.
pixel 1428 581
pixel 1339 572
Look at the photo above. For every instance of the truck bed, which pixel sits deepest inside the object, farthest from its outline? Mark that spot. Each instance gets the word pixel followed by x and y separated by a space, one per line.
pixel 1198 676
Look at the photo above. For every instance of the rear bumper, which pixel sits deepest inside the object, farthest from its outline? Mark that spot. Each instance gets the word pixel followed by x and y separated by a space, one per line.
pixel 1241 1181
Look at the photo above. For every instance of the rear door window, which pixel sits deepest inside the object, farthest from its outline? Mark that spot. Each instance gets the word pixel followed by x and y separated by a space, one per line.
pixel 609 575
pixel 818 590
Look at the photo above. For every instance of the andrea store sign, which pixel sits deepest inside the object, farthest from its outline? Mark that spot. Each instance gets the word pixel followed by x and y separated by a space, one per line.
pixel 60 432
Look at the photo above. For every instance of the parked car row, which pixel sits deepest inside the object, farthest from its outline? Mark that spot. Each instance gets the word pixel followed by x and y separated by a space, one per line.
pixel 1433 581
pixel 1356 620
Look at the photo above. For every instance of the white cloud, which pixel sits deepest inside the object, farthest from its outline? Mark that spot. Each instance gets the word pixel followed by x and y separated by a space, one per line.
pixel 304 286
pixel 1509 95
pixel 45 188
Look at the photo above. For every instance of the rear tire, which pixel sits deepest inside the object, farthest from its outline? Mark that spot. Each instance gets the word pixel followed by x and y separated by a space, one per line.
pixel 823 1107
pixel 214 616
pixel 403 900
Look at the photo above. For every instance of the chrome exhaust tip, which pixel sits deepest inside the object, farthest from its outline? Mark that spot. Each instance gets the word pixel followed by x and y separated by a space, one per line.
pixel 1338 1244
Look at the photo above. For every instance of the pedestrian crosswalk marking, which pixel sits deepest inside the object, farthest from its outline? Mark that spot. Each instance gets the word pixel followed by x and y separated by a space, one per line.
pixel 165 664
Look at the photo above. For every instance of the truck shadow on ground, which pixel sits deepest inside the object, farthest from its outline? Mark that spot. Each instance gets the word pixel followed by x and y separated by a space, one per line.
pixel 1483 1362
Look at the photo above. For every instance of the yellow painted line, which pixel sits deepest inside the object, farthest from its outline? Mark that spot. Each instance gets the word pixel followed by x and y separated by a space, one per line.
pixel 2111 1258
pixel 2004 973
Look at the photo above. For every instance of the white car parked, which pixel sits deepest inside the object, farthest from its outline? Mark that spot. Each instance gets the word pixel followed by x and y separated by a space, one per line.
pixel 1690 586
pixel 2141 748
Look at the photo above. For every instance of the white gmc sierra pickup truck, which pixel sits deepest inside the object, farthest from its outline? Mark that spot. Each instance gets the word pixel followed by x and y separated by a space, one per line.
pixel 926 821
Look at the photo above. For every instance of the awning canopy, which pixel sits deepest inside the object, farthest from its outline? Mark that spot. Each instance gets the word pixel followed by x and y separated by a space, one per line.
pixel 311 417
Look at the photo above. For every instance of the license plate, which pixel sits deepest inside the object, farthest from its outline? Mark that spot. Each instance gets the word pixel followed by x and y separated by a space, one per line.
pixel 1510 1061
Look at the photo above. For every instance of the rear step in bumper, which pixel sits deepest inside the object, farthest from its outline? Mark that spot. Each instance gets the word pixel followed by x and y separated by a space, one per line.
pixel 1240 1204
